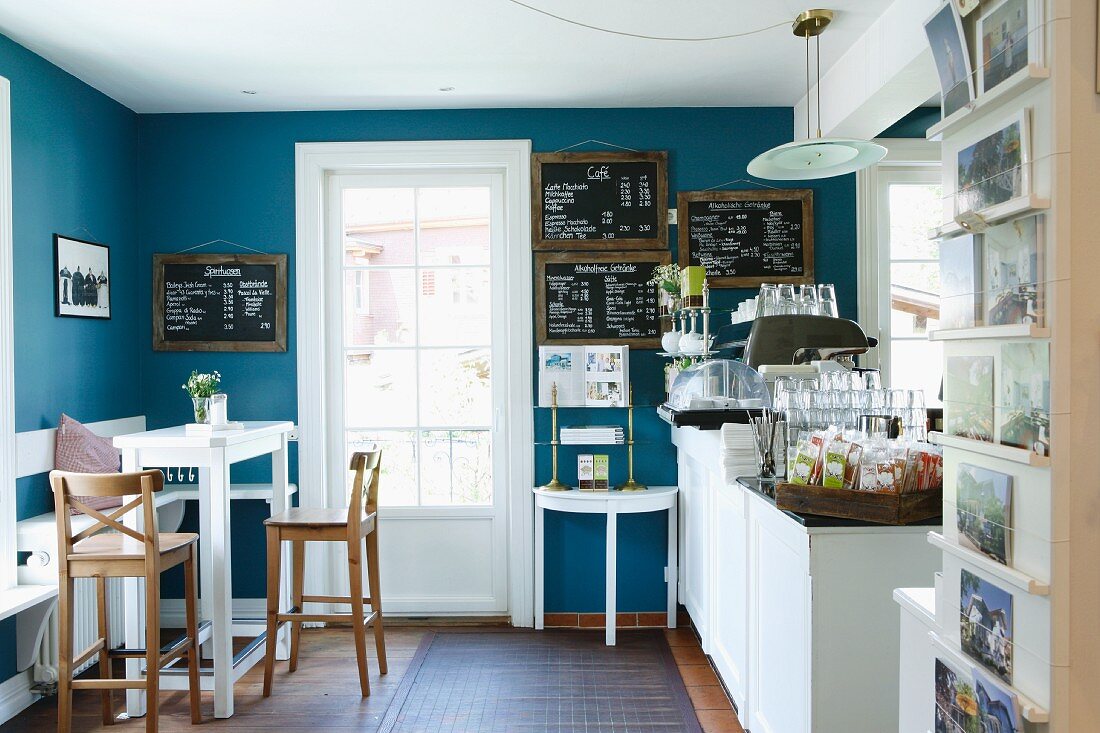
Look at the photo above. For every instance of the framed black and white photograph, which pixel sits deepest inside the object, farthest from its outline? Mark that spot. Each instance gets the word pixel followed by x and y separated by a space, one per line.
pixel 82 288
pixel 945 38
pixel 1007 41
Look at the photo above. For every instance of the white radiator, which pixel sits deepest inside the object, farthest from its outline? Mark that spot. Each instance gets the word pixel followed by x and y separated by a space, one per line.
pixel 85 628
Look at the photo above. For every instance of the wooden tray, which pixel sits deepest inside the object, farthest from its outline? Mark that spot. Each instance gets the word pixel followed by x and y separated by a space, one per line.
pixel 866 506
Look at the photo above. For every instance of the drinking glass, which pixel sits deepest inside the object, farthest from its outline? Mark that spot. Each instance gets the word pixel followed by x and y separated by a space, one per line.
pixel 808 302
pixel 897 402
pixel 826 296
pixel 872 379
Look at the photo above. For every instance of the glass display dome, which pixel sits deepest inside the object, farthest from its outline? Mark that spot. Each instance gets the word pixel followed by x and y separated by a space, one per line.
pixel 719 384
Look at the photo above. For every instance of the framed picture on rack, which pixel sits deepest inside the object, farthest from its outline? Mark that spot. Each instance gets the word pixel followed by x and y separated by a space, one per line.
pixel 1009 38
pixel 996 168
pixel 945 37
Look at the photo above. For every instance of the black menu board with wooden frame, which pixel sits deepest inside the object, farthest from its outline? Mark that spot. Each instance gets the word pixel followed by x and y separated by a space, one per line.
pixel 745 238
pixel 598 298
pixel 219 302
pixel 599 201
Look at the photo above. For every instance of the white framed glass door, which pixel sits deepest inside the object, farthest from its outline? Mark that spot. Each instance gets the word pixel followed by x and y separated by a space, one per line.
pixel 413 272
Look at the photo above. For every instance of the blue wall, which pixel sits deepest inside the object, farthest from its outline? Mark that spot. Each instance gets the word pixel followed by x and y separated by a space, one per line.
pixel 231 176
pixel 74 171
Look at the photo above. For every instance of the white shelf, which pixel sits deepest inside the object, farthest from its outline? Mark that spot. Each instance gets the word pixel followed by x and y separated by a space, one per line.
pixel 1032 712
pixel 990 567
pixel 21 597
pixel 1011 209
pixel 1007 90
pixel 1013 330
pixel 993 450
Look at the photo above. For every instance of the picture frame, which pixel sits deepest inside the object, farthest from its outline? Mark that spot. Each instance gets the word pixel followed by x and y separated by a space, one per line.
pixel 983 511
pixel 955 699
pixel 1007 41
pixel 995 168
pixel 960 282
pixel 986 624
pixel 952 56
pixel 968 397
pixel 75 294
pixel 998 704
pixel 1013 272
pixel 1024 386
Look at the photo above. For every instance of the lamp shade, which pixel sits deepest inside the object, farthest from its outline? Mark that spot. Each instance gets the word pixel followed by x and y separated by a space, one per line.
pixel 820 157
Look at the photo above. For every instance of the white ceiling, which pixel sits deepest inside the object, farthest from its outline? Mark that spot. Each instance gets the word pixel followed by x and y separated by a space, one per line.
pixel 198 55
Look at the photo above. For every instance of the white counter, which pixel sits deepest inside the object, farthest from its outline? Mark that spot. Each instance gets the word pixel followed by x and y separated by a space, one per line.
pixel 799 620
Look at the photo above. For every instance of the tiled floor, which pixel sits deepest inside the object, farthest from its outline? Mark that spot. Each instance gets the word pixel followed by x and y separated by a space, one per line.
pixel 323 695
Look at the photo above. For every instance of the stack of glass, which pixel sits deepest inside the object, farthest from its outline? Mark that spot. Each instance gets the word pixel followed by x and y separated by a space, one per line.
pixel 840 398
pixel 791 300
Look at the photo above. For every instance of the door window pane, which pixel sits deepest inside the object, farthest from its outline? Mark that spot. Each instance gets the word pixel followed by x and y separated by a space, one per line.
pixel 454 388
pixel 455 295
pixel 380 389
pixel 456 467
pixel 454 226
pixel 914 210
pixel 397 482
pixel 379 307
pixel 379 226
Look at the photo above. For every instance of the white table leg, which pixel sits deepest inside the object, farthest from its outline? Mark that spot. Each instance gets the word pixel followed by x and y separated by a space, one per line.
pixel 612 555
pixel 673 569
pixel 280 502
pixel 216 499
pixel 134 606
pixel 206 553
pixel 540 569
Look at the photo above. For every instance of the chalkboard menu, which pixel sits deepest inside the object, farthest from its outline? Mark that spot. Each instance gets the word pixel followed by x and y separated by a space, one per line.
pixel 600 201
pixel 217 302
pixel 745 238
pixel 598 298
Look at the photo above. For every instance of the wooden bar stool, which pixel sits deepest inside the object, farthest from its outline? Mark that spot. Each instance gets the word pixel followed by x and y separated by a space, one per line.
pixel 299 526
pixel 127 553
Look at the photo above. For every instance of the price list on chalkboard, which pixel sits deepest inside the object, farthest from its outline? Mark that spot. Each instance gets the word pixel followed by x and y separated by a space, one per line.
pixel 598 298
pixel 220 302
pixel 744 238
pixel 615 199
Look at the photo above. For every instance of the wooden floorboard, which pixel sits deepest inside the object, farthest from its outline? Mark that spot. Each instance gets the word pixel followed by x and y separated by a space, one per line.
pixel 323 695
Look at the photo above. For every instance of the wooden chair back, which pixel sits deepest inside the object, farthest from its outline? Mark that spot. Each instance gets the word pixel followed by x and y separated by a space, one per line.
pixel 366 466
pixel 67 486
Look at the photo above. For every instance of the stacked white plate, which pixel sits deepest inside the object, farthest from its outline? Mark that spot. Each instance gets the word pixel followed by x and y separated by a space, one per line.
pixel 738 454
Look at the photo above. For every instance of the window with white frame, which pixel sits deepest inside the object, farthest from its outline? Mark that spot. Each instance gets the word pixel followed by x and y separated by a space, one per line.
pixel 900 277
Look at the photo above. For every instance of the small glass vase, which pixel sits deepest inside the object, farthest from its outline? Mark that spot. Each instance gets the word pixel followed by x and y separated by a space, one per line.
pixel 202 410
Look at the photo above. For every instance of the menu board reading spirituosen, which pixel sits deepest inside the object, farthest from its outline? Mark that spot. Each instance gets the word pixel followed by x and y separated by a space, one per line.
pixel 599 201
pixel 220 302
pixel 744 238
pixel 598 298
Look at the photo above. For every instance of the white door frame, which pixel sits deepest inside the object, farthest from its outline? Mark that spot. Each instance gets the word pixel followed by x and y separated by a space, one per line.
pixel 314 163
pixel 901 152
pixel 7 351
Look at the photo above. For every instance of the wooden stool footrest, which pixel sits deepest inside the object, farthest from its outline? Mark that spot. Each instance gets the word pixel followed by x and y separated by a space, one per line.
pixel 88 653
pixel 332 599
pixel 368 618
pixel 108 684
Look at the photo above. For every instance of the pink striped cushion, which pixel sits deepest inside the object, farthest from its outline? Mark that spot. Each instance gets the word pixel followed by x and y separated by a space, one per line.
pixel 81 451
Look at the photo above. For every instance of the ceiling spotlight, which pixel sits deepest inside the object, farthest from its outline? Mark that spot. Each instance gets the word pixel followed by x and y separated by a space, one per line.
pixel 248 91
pixel 446 89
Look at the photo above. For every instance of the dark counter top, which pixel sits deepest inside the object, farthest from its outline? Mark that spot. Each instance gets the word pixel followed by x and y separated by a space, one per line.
pixel 766 490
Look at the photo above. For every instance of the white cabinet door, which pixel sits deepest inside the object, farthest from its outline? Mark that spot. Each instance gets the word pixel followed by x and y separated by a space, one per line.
pixel 730 647
pixel 779 596
pixel 694 543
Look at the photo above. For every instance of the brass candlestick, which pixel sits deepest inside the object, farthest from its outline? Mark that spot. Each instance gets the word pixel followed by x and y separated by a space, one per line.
pixel 631 484
pixel 554 484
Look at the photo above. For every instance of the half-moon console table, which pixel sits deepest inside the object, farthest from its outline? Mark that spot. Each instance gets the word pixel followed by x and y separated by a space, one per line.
pixel 612 504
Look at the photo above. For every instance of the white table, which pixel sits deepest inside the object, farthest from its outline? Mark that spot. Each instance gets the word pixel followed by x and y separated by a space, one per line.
pixel 212 455
pixel 611 503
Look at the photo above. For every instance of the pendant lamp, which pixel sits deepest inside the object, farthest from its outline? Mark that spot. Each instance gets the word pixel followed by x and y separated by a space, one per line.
pixel 815 157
